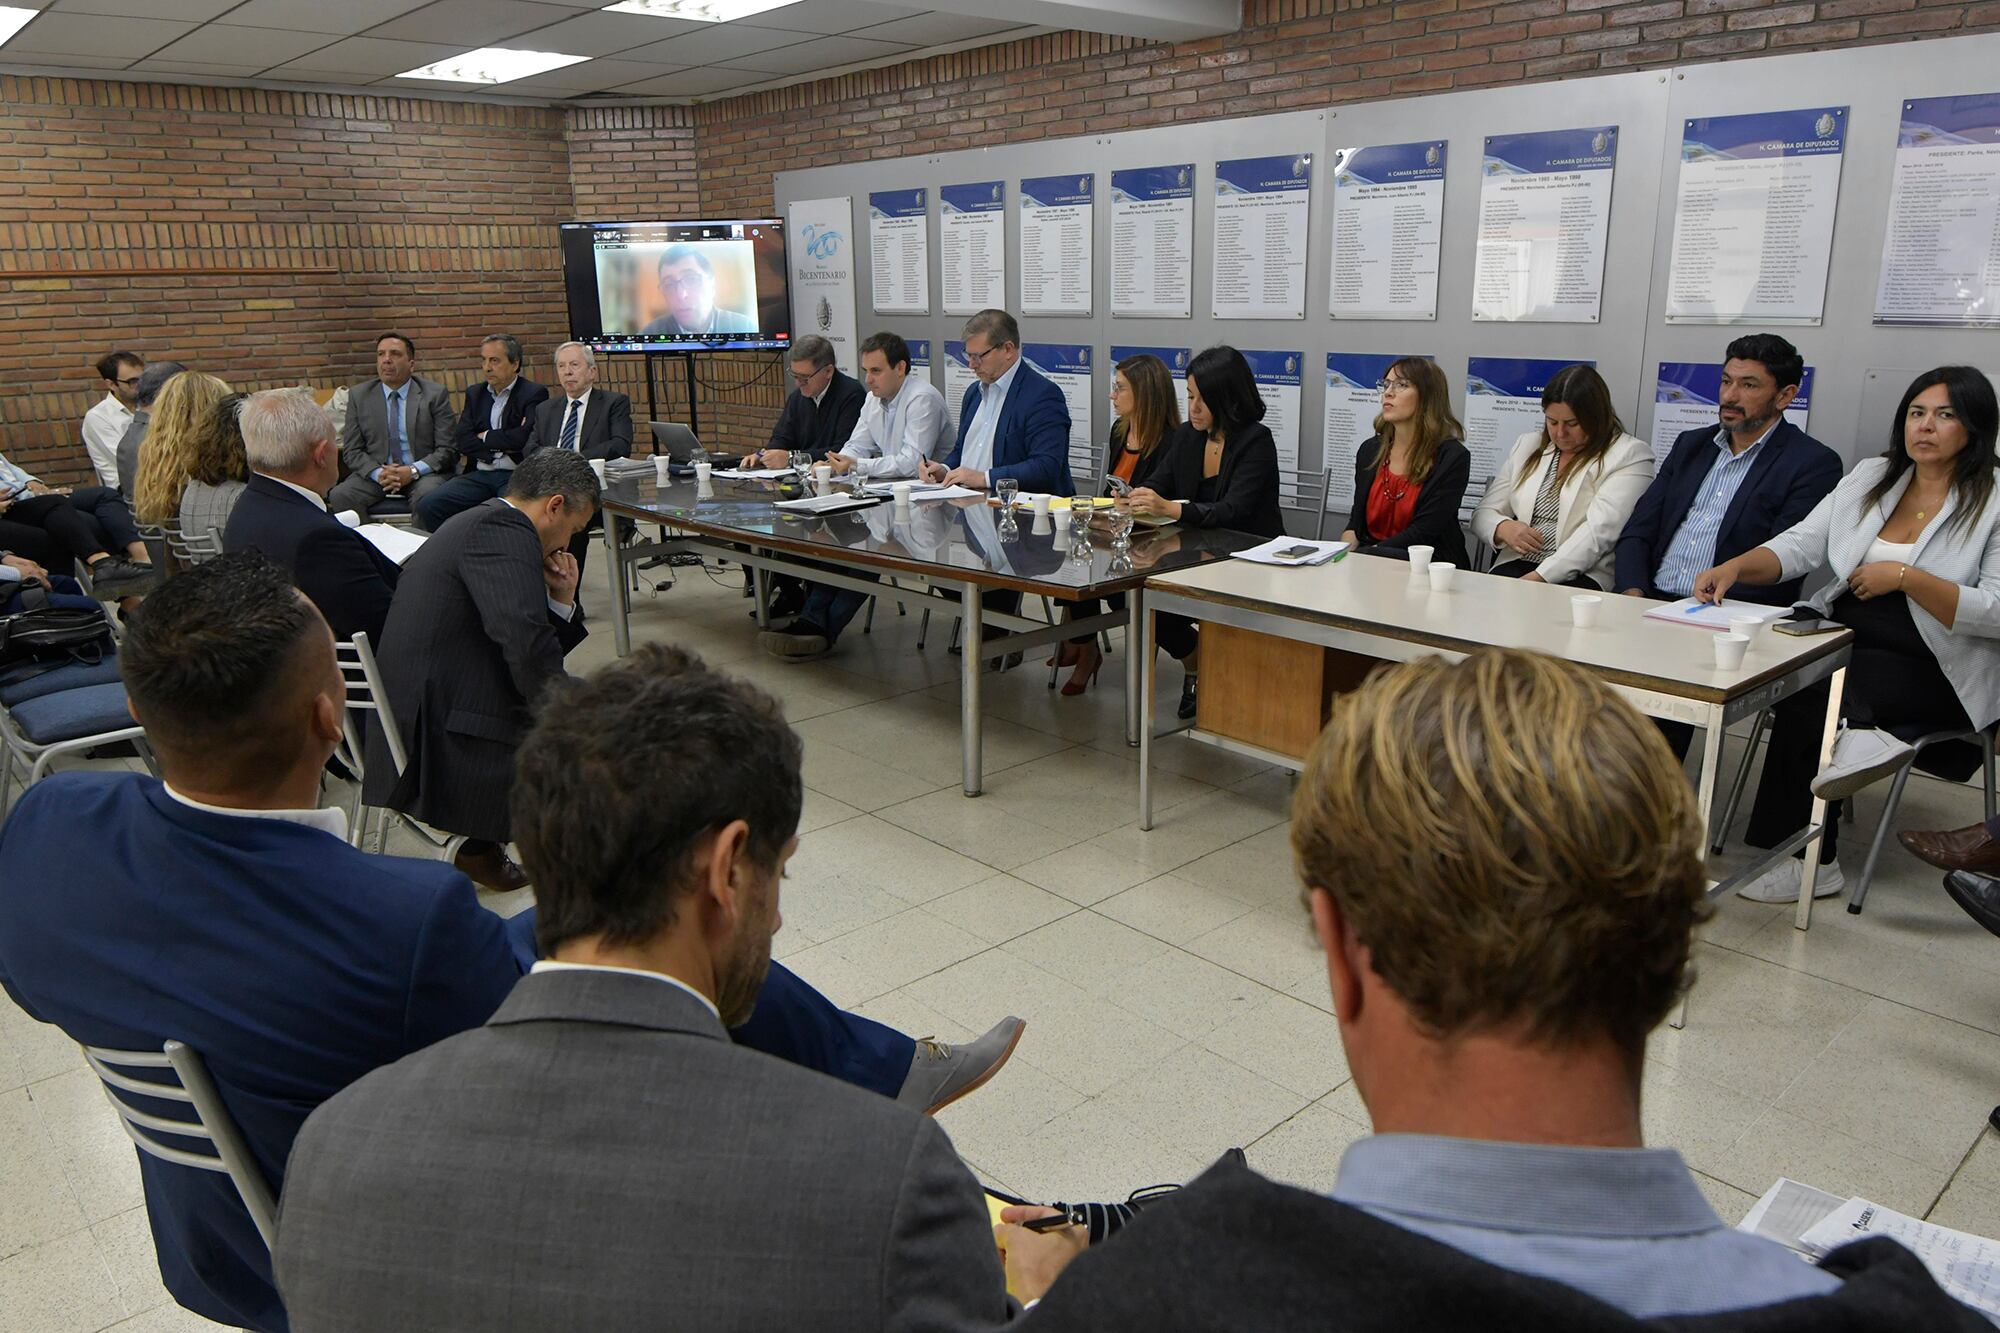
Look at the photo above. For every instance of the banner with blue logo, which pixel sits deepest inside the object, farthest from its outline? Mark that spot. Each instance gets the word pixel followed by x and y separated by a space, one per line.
pixel 1938 259
pixel 1068 366
pixel 819 240
pixel 1544 217
pixel 1279 376
pixel 972 228
pixel 1689 397
pixel 1056 226
pixel 899 251
pixel 1263 206
pixel 1753 219
pixel 1503 401
pixel 1152 242
pixel 1388 227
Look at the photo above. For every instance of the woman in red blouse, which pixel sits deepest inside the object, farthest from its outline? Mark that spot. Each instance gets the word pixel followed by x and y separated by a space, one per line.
pixel 1410 475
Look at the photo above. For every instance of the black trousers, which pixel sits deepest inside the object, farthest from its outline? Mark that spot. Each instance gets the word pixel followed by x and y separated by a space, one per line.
pixel 107 508
pixel 1893 682
pixel 1514 569
pixel 51 531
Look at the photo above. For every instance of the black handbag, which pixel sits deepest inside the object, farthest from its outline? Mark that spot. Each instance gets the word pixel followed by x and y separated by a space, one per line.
pixel 53 635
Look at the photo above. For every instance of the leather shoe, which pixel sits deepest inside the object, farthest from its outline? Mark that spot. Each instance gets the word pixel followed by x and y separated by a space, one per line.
pixel 1970 848
pixel 1979 895
pixel 941 1073
pixel 491 868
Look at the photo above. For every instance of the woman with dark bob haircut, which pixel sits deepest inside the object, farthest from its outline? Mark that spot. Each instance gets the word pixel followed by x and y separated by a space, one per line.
pixel 1220 470
pixel 1912 539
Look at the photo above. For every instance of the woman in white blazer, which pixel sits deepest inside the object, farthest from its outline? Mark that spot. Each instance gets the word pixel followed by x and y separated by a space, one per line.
pixel 1912 539
pixel 1555 508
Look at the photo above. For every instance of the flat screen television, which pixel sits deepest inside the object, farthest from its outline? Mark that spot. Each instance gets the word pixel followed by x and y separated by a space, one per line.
pixel 700 286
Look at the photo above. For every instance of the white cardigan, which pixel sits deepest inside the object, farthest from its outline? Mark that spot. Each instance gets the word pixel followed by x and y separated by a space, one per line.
pixel 1596 499
pixel 1837 535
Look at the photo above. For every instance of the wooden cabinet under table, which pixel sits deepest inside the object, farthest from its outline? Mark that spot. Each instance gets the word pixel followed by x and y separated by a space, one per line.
pixel 1271 692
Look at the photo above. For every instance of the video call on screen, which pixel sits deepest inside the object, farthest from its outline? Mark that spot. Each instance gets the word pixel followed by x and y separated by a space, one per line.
pixel 677 286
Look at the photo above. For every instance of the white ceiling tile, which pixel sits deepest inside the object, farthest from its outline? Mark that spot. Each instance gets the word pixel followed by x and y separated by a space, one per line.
pixel 131 37
pixel 935 29
pixel 229 44
pixel 375 56
pixel 331 77
pixel 610 34
pixel 820 53
pixel 830 16
pixel 690 83
pixel 344 19
pixel 194 11
pixel 43 63
pixel 203 68
pixel 473 23
pixel 716 42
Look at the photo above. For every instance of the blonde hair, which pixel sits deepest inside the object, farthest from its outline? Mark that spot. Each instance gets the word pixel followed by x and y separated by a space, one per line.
pixel 1513 843
pixel 182 412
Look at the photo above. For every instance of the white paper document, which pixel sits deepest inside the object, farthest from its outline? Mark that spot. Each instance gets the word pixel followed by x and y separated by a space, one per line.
pixel 1544 215
pixel 752 473
pixel 398 543
pixel 945 493
pixel 837 502
pixel 1965 1265
pixel 1292 551
pixel 1388 225
pixel 1702 615
pixel 1787 1211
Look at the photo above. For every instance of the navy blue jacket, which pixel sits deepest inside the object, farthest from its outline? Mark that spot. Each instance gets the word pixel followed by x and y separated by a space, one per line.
pixel 1031 444
pixel 1792 473
pixel 338 569
pixel 517 420
pixel 291 961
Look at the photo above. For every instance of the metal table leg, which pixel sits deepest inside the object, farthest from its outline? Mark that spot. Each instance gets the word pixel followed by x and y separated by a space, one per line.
pixel 1142 628
pixel 1711 760
pixel 621 603
pixel 1809 869
pixel 971 667
pixel 760 588
pixel 1135 679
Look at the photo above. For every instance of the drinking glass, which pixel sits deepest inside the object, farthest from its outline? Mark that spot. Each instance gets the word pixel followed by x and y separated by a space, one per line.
pixel 1079 528
pixel 802 463
pixel 1121 530
pixel 1007 488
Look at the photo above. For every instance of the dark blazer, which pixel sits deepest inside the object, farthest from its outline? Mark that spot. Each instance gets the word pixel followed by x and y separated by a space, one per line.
pixel 1237 1251
pixel 470 645
pixel 291 961
pixel 1435 522
pixel 1246 487
pixel 336 567
pixel 822 428
pixel 429 424
pixel 516 421
pixel 1792 473
pixel 1031 443
pixel 604 432
pixel 600 1156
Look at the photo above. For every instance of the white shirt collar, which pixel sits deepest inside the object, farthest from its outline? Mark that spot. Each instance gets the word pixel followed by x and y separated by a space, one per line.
pixel 820 397
pixel 550 965
pixel 111 401
pixel 582 401
pixel 318 501
pixel 332 821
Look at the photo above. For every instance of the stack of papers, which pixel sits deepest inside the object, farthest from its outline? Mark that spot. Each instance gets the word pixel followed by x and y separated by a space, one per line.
pixel 398 543
pixel 752 473
pixel 838 502
pixel 942 492
pixel 1293 551
pixel 624 465
pixel 1687 611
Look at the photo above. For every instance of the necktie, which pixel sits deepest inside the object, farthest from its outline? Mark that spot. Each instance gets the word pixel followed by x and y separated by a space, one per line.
pixel 569 424
pixel 399 446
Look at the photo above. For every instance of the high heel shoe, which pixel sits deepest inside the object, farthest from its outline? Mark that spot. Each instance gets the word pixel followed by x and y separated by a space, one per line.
pixel 1067 654
pixel 1088 660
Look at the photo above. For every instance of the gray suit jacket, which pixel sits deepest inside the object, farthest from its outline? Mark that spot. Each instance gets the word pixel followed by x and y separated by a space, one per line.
pixel 600 1156
pixel 469 645
pixel 429 424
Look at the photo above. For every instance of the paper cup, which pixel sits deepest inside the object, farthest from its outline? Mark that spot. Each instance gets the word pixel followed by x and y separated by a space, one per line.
pixel 1583 609
pixel 597 466
pixel 1041 505
pixel 903 490
pixel 1441 572
pixel 1420 560
pixel 822 478
pixel 1750 627
pixel 1729 650
pixel 660 464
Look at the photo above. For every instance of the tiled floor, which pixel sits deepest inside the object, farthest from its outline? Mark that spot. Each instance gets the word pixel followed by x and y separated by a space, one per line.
pixel 1176 1005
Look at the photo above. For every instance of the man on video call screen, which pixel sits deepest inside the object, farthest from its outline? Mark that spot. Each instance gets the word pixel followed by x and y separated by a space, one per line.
pixel 687 288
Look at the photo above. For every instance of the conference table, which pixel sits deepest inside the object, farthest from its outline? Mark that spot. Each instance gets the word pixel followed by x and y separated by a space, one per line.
pixel 936 555
pixel 1377 608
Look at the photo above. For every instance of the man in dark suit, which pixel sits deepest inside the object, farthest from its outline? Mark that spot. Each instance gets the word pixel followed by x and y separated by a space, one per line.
pixel 398 441
pixel 293 460
pixel 1012 422
pixel 603 1120
pixel 482 617
pixel 492 432
pixel 1493 996
pixel 1726 491
pixel 594 422
pixel 820 412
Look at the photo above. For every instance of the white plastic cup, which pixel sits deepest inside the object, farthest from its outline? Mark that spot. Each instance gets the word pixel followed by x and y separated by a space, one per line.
pixel 1729 650
pixel 1041 504
pixel 704 472
pixel 660 464
pixel 1420 560
pixel 1583 609
pixel 1750 627
pixel 822 478
pixel 1043 524
pixel 1441 572
pixel 597 466
pixel 903 490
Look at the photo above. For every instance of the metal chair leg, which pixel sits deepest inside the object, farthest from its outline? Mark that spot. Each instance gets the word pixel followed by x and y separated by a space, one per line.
pixel 1736 787
pixel 869 623
pixel 923 629
pixel 1860 894
pixel 1986 746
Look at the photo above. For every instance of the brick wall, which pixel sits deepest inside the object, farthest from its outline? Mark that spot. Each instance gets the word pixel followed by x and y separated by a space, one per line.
pixel 265 236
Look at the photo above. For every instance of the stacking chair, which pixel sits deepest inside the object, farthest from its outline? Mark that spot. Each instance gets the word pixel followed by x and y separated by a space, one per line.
pixel 365 693
pixel 1307 490
pixel 72 708
pixel 189 1085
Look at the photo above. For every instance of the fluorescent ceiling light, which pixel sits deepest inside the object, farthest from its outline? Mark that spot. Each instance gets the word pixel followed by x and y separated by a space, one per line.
pixel 492 64
pixel 12 19
pixel 698 11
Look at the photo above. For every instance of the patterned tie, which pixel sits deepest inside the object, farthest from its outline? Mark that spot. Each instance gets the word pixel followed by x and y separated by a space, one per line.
pixel 569 424
pixel 399 446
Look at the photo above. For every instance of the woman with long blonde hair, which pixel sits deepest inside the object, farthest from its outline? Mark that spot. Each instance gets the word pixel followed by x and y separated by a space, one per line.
pixel 181 414
pixel 1410 475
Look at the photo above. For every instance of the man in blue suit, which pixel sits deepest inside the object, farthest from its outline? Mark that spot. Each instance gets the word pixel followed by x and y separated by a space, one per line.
pixel 1726 491
pixel 222 909
pixel 1012 423
pixel 492 431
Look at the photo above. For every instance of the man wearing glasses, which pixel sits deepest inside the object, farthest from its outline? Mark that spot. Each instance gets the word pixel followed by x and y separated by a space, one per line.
pixel 104 424
pixel 1013 422
pixel 687 281
pixel 821 411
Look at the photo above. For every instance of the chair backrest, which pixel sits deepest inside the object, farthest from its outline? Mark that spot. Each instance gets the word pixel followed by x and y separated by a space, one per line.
pixel 189 1085
pixel 365 692
pixel 193 550
pixel 1299 488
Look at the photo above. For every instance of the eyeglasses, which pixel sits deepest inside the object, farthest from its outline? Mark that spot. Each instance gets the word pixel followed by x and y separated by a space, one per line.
pixel 1392 386
pixel 689 283
pixel 129 383
pixel 809 376
pixel 973 358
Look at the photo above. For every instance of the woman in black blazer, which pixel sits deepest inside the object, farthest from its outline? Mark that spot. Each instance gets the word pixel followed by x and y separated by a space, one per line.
pixel 1218 471
pixel 1410 475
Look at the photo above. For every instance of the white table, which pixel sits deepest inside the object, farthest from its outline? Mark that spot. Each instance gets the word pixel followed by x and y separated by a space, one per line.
pixel 1372 606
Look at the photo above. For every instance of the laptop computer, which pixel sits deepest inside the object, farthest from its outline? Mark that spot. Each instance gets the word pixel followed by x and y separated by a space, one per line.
pixel 676 441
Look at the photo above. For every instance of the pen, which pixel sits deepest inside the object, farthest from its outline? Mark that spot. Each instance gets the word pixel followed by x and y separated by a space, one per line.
pixel 1698 606
pixel 1066 1218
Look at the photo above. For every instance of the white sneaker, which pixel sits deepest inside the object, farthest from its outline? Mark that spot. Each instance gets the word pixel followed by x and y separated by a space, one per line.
pixel 1781 884
pixel 1861 755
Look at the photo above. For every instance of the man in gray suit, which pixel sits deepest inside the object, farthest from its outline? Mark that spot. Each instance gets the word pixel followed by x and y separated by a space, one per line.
pixel 398 440
pixel 482 617
pixel 599 1156
pixel 151 381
